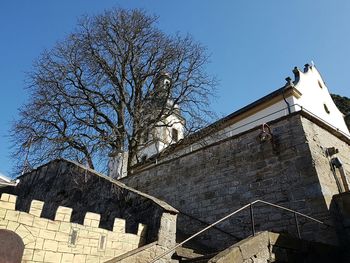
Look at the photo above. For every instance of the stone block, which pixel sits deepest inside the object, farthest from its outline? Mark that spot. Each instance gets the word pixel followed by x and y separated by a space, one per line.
pixel 39 243
pixel 8 198
pixel 30 245
pixel 232 254
pixel 87 250
pixel 53 225
pixel 47 234
pixel 253 245
pixel 92 216
pixel 95 223
pixel 40 222
pixel 38 255
pixel 79 259
pixel 50 245
pixel 12 215
pixel 84 241
pixel 22 231
pixel 36 208
pixel 12 199
pixel 2 213
pixel 26 219
pixel 93 235
pixel 119 225
pixel 92 259
pixel 141 230
pixel 63 214
pixel 63 247
pixel 64 237
pixel 52 257
pixel 3 223
pixel 7 205
pixel 78 249
pixel 65 227
pixel 5 197
pixel 12 226
pixel 93 242
pixel 67 258
pixel 27 255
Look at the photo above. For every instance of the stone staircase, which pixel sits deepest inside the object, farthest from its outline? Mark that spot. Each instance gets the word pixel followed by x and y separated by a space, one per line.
pixel 183 255
pixel 263 247
pixel 192 251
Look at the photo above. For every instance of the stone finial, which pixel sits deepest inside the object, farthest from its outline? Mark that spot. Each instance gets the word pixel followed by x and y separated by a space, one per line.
pixel 296 73
pixel 289 81
pixel 306 67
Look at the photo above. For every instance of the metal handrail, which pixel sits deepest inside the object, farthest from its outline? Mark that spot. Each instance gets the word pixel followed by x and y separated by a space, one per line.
pixel 207 224
pixel 250 205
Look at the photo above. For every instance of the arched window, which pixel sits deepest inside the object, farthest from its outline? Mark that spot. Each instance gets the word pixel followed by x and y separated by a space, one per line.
pixel 174 135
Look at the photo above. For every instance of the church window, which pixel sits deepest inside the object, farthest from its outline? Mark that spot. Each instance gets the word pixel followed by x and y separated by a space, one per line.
pixel 145 137
pixel 175 135
pixel 326 109
pixel 320 84
pixel 143 157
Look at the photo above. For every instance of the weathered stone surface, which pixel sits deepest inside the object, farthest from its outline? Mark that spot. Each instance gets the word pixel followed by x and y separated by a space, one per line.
pixel 209 183
pixel 232 254
pixel 65 183
pixel 253 245
pixel 262 249
pixel 284 241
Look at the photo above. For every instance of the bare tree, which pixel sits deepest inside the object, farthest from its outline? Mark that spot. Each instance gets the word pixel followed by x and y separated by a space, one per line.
pixel 95 93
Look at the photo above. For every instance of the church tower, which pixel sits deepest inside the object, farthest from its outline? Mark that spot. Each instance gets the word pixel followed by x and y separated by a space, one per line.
pixel 169 130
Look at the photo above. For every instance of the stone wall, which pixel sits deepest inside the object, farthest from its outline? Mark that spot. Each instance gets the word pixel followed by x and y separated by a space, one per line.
pixel 222 177
pixel 340 207
pixel 149 252
pixel 60 240
pixel 94 200
pixel 273 247
pixel 319 140
pixel 65 183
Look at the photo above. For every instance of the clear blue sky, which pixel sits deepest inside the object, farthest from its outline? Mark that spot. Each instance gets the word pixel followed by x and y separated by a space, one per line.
pixel 254 45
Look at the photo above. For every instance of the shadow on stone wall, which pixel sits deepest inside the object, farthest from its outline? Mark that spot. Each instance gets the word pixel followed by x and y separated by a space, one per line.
pixel 65 183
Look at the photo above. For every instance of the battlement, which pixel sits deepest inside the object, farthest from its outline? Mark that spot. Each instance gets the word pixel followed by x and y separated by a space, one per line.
pixel 64 240
pixel 63 214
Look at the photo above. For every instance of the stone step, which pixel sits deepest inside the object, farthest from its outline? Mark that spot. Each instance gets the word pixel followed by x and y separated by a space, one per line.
pixel 200 259
pixel 185 252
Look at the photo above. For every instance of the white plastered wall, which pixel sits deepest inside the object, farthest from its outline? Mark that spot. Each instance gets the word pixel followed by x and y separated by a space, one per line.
pixel 315 97
pixel 162 136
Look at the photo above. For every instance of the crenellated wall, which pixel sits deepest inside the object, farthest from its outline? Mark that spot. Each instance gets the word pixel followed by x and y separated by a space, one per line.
pixel 94 201
pixel 60 240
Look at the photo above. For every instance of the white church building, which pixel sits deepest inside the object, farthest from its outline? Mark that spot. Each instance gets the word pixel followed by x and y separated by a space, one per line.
pixel 307 92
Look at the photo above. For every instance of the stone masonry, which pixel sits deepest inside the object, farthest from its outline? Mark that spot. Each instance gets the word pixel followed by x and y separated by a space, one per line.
pixel 78 205
pixel 59 240
pixel 292 170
